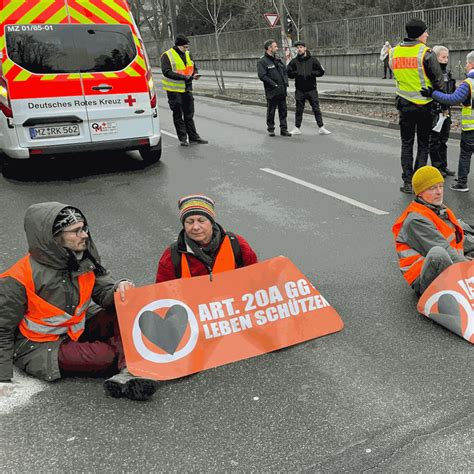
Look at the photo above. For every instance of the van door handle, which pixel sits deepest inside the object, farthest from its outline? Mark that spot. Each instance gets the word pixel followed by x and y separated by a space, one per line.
pixel 102 87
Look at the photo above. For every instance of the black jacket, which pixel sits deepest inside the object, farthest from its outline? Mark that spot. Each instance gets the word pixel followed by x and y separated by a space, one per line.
pixel 305 69
pixel 432 70
pixel 272 72
pixel 449 87
pixel 167 70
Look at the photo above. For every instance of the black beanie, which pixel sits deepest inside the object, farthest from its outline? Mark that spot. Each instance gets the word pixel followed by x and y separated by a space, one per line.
pixel 181 40
pixel 299 43
pixel 66 217
pixel 415 28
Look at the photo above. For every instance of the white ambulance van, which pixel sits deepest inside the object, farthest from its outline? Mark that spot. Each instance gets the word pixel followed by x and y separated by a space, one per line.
pixel 74 77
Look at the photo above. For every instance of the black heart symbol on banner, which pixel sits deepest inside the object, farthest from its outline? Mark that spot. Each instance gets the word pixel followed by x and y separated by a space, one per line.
pixel 165 332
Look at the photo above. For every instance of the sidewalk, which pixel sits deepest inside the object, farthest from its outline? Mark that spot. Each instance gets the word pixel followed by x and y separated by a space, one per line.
pixel 352 80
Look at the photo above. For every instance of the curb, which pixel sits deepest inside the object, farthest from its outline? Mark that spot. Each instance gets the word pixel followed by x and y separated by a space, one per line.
pixel 334 115
pixel 351 82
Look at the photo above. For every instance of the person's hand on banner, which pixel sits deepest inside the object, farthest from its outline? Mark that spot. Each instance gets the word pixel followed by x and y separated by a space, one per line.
pixel 123 286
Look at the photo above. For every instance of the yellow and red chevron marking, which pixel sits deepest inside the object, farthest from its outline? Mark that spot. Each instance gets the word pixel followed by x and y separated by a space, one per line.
pixel 98 11
pixel 56 12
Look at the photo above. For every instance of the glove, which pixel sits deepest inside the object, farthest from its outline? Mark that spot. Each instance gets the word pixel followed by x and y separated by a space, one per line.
pixel 426 92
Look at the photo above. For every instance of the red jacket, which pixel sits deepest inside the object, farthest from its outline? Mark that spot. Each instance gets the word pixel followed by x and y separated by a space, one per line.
pixel 166 271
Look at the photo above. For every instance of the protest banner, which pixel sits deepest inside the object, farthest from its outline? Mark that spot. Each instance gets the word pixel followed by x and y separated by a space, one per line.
pixel 449 300
pixel 180 327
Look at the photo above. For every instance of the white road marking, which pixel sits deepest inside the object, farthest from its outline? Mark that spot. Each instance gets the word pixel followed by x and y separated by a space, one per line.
pixel 349 200
pixel 169 134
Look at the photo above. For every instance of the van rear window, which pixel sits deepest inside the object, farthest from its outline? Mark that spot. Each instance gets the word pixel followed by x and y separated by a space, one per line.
pixel 56 49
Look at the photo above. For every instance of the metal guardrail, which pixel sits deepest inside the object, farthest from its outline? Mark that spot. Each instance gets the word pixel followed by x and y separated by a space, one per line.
pixel 445 24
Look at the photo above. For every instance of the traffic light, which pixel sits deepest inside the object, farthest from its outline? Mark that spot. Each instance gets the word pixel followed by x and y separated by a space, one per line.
pixel 289 27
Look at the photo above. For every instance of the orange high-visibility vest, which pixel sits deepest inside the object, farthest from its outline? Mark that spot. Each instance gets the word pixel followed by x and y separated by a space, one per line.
pixel 410 260
pixel 44 322
pixel 225 260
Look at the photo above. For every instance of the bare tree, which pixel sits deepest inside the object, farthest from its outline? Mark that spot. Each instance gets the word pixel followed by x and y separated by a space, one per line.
pixel 212 15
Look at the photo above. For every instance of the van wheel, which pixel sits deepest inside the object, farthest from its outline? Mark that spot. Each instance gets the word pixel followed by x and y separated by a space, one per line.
pixel 150 155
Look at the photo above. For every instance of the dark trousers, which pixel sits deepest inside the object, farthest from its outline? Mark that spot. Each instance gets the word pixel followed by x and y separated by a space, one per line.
pixel 467 148
pixel 182 105
pixel 439 146
pixel 272 104
pixel 312 97
pixel 417 122
pixel 97 353
pixel 386 67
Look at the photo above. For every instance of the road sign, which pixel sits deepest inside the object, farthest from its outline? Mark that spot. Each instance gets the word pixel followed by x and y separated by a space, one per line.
pixel 271 19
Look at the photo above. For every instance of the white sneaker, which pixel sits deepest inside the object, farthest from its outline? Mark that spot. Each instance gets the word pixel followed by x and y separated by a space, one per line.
pixel 296 131
pixel 324 131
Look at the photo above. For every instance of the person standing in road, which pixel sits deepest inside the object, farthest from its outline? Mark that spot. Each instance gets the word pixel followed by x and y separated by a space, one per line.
pixel 414 66
pixel 304 69
pixel 385 58
pixel 463 95
pixel 49 326
pixel 179 71
pixel 203 247
pixel 272 72
pixel 428 237
pixel 439 140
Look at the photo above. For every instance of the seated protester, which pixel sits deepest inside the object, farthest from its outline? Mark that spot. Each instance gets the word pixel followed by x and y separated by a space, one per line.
pixel 203 246
pixel 428 237
pixel 48 326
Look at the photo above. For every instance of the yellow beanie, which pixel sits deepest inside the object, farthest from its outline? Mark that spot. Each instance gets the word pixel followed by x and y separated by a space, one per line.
pixel 425 177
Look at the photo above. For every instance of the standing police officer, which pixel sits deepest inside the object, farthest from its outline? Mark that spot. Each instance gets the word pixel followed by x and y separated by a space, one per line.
pixel 272 72
pixel 415 67
pixel 179 71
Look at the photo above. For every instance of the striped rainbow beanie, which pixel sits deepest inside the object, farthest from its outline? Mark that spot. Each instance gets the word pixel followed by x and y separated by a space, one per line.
pixel 196 204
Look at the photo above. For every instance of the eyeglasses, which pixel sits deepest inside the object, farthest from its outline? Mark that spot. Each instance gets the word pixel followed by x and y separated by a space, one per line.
pixel 78 231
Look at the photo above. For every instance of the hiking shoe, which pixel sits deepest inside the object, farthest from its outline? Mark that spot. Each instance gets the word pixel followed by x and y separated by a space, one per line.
pixel 199 141
pixel 407 188
pixel 115 385
pixel 271 133
pixel 462 188
pixel 296 131
pixel 140 389
pixel 285 133
pixel 324 131
pixel 124 384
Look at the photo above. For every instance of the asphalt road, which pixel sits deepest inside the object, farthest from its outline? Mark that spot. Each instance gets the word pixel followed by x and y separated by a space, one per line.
pixel 392 392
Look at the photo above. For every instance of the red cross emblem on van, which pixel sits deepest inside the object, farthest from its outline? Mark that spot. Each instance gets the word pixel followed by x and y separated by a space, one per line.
pixel 130 101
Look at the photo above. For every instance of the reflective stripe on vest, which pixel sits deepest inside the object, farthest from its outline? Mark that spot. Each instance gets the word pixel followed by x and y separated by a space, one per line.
pixel 178 66
pixel 410 260
pixel 407 66
pixel 225 260
pixel 467 113
pixel 43 321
